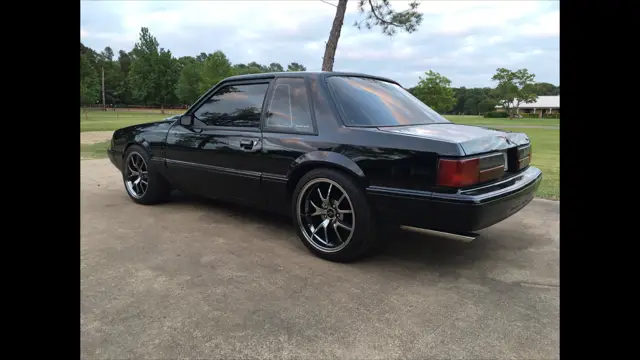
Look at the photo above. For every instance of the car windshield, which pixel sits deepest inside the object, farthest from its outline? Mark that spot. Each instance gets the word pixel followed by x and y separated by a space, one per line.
pixel 371 102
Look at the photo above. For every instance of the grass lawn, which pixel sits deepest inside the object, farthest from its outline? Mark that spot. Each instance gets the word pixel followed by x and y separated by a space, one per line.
pixel 113 120
pixel 546 142
pixel 94 151
pixel 546 156
pixel 479 120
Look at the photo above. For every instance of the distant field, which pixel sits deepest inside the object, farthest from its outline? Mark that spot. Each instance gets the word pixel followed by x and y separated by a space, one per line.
pixel 113 120
pixel 479 120
pixel 546 156
pixel 94 151
pixel 546 142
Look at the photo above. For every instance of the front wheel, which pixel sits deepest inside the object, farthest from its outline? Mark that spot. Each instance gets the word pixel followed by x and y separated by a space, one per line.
pixel 332 216
pixel 143 184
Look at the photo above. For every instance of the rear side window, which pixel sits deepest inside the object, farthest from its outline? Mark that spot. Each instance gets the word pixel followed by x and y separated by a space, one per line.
pixel 234 106
pixel 288 108
pixel 371 102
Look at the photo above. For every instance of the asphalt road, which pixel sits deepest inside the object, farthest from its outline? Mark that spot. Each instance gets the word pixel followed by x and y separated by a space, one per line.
pixel 203 279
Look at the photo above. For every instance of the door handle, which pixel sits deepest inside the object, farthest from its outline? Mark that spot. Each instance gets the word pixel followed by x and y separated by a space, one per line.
pixel 246 144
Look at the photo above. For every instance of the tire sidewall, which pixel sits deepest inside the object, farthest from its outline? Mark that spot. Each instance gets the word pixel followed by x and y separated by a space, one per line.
pixel 154 188
pixel 363 236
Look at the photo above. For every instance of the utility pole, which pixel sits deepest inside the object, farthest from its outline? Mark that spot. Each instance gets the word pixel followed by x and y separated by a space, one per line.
pixel 104 102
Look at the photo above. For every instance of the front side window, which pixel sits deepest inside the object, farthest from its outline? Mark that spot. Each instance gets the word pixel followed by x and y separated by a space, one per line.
pixel 372 102
pixel 234 106
pixel 288 108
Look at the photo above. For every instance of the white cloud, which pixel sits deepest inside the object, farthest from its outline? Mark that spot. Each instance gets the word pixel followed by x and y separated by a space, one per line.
pixel 463 40
pixel 547 25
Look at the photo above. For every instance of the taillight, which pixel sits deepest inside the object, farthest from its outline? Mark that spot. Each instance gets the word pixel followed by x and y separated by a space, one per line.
pixel 524 156
pixel 465 172
pixel 458 173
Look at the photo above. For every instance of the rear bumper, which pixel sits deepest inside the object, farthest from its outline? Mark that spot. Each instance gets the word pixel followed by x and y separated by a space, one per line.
pixel 115 157
pixel 466 211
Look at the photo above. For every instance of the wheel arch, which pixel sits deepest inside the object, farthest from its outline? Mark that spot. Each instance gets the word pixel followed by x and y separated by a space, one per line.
pixel 137 141
pixel 324 159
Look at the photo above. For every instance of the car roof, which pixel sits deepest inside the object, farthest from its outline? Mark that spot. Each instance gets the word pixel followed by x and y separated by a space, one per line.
pixel 319 74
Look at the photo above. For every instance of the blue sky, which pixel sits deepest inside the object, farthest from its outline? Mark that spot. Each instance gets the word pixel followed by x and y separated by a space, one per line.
pixel 463 40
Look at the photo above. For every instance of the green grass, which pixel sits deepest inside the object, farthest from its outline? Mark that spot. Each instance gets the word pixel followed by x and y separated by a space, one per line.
pixel 546 156
pixel 94 151
pixel 113 120
pixel 479 120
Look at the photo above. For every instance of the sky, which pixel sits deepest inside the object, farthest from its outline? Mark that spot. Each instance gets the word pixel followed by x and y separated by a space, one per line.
pixel 466 41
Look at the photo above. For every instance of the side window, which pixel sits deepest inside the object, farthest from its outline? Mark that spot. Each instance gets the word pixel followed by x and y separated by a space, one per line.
pixel 236 105
pixel 288 108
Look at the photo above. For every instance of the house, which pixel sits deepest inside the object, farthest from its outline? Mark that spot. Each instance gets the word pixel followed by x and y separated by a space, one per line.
pixel 543 105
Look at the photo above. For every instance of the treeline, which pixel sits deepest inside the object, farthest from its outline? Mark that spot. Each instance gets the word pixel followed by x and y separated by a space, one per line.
pixel 474 101
pixel 150 75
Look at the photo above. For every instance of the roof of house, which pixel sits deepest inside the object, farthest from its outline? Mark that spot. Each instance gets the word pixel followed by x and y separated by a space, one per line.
pixel 542 102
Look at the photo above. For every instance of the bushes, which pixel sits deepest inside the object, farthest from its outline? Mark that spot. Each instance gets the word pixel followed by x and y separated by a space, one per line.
pixel 496 114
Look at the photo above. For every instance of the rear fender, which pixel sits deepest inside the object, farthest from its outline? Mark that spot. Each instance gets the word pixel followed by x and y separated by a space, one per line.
pixel 327 159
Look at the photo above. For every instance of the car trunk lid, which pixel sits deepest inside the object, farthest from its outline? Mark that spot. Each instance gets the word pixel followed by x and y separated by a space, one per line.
pixel 472 139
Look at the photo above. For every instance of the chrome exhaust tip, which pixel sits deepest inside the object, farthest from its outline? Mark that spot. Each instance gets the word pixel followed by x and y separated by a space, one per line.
pixel 467 238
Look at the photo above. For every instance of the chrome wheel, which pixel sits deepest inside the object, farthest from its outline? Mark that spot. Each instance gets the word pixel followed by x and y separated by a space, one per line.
pixel 136 175
pixel 325 215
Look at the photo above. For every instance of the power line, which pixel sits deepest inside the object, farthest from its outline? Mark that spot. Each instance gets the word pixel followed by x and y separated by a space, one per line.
pixel 326 2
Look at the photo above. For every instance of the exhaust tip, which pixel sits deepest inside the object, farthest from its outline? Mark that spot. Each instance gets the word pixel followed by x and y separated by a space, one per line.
pixel 467 237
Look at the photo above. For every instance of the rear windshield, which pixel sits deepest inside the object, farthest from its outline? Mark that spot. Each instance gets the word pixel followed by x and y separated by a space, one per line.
pixel 370 102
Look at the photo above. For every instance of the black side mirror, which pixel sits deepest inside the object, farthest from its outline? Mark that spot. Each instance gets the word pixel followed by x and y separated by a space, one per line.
pixel 186 120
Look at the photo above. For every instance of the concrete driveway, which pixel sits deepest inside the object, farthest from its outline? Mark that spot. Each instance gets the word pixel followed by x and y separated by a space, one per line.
pixel 202 279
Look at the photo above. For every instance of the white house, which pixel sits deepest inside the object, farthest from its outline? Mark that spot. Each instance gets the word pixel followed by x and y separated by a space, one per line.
pixel 542 105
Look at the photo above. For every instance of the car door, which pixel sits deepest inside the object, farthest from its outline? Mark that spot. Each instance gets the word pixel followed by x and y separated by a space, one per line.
pixel 219 155
pixel 289 131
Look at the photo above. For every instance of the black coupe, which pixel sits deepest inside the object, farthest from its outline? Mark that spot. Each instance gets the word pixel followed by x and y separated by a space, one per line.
pixel 340 152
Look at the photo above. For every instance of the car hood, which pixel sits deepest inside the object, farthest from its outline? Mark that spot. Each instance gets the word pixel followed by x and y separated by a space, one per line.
pixel 472 139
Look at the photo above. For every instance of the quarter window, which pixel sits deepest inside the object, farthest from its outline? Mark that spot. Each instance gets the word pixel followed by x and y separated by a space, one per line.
pixel 234 106
pixel 288 108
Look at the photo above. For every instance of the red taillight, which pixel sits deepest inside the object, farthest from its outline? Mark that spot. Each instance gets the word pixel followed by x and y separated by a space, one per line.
pixel 458 173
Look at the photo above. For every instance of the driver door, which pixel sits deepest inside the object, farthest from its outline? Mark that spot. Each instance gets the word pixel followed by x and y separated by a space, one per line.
pixel 219 155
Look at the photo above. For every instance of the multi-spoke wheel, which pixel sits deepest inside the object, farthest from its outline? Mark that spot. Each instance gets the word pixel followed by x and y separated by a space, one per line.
pixel 136 175
pixel 332 215
pixel 142 182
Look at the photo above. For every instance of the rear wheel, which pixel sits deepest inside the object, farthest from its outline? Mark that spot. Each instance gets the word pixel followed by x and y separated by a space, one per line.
pixel 143 184
pixel 332 216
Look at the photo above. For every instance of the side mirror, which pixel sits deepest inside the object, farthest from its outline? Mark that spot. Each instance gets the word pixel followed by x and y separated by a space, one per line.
pixel 186 120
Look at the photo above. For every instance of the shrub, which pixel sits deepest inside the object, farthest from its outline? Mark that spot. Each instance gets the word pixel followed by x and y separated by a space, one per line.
pixel 496 114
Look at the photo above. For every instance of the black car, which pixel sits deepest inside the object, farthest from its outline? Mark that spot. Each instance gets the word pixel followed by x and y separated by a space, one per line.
pixel 340 152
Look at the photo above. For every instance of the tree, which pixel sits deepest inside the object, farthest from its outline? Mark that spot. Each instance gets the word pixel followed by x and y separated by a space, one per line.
pixel 214 69
pixel 107 53
pixel 487 105
pixel 168 74
pixel 153 73
pixel 378 13
pixel 89 82
pixel 514 88
pixel 294 66
pixel 546 89
pixel 435 91
pixel 188 88
pixel 275 67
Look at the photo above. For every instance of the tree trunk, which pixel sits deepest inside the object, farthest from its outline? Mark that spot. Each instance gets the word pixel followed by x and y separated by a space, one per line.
pixel 334 36
pixel 162 109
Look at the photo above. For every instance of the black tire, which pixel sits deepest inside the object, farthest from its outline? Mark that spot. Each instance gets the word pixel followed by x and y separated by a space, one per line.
pixel 363 237
pixel 157 189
